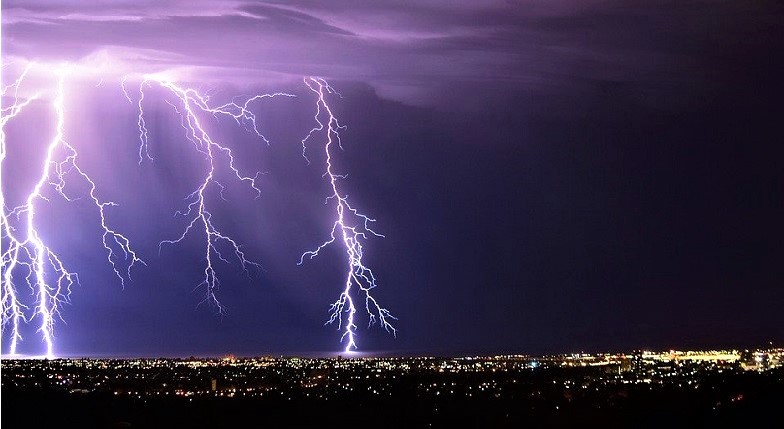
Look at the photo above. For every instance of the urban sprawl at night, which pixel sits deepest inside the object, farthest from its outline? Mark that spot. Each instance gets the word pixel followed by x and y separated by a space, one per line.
pixel 616 388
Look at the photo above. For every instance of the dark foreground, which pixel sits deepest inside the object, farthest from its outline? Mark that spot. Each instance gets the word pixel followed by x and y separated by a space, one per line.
pixel 381 393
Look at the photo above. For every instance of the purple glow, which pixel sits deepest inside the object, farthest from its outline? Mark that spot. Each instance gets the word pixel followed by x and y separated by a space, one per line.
pixel 351 227
pixel 25 251
pixel 47 275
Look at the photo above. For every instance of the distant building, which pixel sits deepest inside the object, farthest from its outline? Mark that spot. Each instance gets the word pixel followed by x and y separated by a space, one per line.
pixel 637 361
pixel 755 361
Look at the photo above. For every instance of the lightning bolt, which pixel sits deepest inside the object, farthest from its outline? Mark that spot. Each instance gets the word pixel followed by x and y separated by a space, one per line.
pixel 350 228
pixel 27 258
pixel 12 309
pixel 26 249
pixel 190 105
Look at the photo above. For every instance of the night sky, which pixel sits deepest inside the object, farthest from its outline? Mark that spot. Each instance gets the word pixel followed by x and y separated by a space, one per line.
pixel 550 176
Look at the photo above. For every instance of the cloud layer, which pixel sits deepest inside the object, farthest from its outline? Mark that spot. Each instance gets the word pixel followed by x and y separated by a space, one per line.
pixel 418 52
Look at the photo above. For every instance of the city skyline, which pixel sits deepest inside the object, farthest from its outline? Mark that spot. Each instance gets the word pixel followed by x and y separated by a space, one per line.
pixel 637 388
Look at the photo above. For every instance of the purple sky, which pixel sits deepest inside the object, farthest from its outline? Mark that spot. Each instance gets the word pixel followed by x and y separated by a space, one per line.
pixel 550 175
pixel 420 52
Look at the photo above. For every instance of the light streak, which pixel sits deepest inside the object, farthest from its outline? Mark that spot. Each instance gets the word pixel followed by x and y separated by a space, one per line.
pixel 26 249
pixel 190 105
pixel 12 309
pixel 350 228
pixel 28 258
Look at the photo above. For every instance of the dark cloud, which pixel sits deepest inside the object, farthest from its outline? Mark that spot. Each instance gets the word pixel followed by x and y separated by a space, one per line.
pixel 417 52
pixel 293 21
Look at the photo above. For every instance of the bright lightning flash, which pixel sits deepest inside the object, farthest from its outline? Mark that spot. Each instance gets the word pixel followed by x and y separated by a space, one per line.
pixel 351 228
pixel 27 257
pixel 26 250
pixel 190 105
